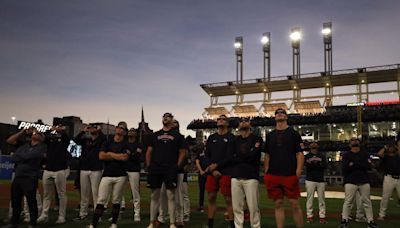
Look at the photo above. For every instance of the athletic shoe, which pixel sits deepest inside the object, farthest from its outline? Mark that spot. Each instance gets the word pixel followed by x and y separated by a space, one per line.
pixel 136 218
pixel 361 219
pixel 155 224
pixel 310 219
pixel 90 226
pixel 186 218
pixel 381 218
pixel 56 208
pixel 158 224
pixel 172 226
pixel 323 221
pixel 113 225
pixel 200 209
pixel 344 223
pixel 372 224
pixel 60 221
pixel 42 219
pixel 27 219
pixel 80 218
pixel 226 216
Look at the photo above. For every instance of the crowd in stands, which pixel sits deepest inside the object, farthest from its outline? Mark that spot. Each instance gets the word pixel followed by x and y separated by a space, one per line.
pixel 340 114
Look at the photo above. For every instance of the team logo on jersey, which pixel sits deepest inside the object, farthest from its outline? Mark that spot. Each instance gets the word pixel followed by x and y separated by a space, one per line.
pixel 214 141
pixel 165 137
pixel 225 140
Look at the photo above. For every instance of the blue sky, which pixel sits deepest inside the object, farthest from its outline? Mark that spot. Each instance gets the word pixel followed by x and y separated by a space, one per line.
pixel 101 59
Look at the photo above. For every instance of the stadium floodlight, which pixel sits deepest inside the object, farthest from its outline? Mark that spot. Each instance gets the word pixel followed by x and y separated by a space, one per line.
pixel 239 58
pixel 327 38
pixel 326 31
pixel 13 118
pixel 238 45
pixel 266 42
pixel 295 36
pixel 265 39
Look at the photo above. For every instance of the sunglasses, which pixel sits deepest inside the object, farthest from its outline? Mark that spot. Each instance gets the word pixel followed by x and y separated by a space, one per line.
pixel 222 118
pixel 170 116
pixel 280 112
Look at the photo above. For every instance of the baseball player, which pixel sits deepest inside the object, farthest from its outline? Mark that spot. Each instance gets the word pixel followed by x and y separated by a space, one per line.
pixel 315 163
pixel 164 157
pixel 114 153
pixel 91 139
pixel 27 158
pixel 246 153
pixel 55 172
pixel 390 156
pixel 283 164
pixel 218 162
pixel 133 169
pixel 355 165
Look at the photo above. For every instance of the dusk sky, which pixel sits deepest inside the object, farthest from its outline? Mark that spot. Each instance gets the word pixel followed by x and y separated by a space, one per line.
pixel 102 59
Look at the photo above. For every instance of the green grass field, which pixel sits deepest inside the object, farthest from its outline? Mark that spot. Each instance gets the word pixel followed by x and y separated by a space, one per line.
pixel 198 219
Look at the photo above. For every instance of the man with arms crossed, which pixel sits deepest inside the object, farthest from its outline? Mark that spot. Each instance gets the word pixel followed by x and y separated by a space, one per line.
pixel 283 164
pixel 164 156
pixel 114 153
pixel 246 153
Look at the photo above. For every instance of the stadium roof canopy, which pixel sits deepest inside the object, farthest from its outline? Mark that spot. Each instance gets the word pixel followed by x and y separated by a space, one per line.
pixel 214 112
pixel 378 74
pixel 308 107
pixel 245 110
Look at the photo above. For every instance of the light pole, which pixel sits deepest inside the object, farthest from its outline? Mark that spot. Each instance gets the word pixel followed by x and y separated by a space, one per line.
pixel 327 38
pixel 239 58
pixel 295 36
pixel 266 42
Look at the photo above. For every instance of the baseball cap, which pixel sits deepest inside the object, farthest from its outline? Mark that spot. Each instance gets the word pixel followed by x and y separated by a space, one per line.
pixel 222 117
pixel 168 114
pixel 280 111
pixel 122 125
pixel 132 129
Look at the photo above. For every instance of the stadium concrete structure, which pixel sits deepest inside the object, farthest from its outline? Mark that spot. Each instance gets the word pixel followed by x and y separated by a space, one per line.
pixel 315 117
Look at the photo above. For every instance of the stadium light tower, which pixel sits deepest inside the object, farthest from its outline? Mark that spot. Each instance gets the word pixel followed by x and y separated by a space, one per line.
pixel 295 37
pixel 239 58
pixel 266 42
pixel 327 37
